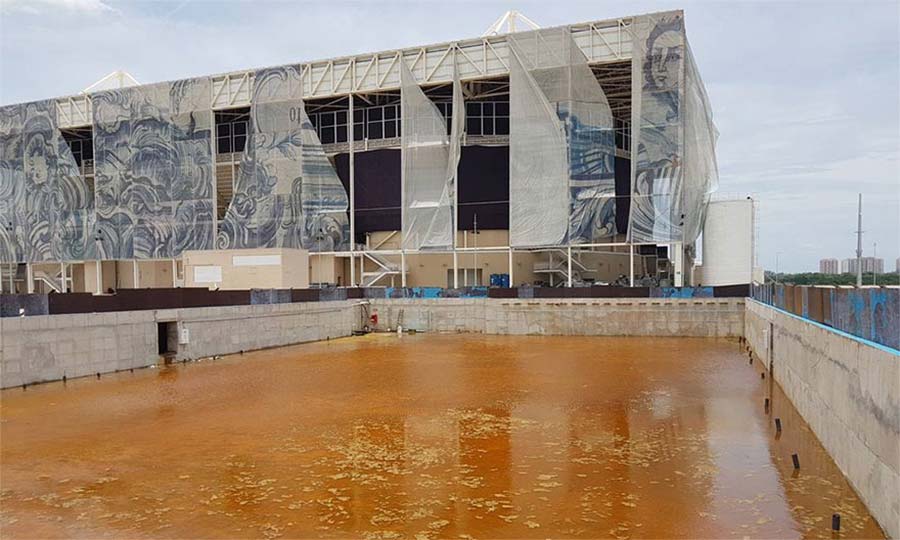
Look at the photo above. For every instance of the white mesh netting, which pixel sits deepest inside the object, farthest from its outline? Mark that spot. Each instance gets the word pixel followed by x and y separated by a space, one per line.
pixel 562 146
pixel 673 136
pixel 429 158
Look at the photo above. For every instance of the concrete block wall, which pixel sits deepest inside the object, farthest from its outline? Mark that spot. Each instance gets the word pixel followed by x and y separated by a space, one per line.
pixel 847 390
pixel 48 347
pixel 704 317
pixel 230 329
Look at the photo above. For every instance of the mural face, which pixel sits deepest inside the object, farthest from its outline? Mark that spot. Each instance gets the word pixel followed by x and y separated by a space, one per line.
pixel 46 209
pixel 656 209
pixel 287 194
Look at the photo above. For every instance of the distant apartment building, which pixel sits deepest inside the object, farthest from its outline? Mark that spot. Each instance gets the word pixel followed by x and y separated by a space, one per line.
pixel 829 266
pixel 869 265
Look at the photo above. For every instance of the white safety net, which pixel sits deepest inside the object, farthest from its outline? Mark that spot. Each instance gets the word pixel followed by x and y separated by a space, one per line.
pixel 657 150
pixel 562 144
pixel 701 175
pixel 429 158
pixel 673 137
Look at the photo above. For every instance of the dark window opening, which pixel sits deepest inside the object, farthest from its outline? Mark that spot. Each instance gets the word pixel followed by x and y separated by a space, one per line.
pixel 232 127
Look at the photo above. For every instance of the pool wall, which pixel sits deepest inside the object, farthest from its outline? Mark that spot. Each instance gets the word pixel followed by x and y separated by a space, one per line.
pixel 696 317
pixel 49 347
pixel 848 391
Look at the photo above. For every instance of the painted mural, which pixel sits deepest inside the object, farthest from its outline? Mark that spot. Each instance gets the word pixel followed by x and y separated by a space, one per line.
pixel 287 193
pixel 46 208
pixel 562 144
pixel 658 75
pixel 153 170
pixel 592 182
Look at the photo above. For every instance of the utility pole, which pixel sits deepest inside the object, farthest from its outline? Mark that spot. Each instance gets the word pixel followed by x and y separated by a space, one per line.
pixel 859 245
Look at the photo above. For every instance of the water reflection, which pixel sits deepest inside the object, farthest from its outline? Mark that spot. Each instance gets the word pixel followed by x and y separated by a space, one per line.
pixel 423 437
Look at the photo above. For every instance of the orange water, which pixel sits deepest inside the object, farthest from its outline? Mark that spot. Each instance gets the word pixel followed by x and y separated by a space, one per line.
pixel 423 437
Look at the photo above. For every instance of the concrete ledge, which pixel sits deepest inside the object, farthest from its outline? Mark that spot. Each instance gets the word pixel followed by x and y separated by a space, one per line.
pixel 848 391
pixel 49 347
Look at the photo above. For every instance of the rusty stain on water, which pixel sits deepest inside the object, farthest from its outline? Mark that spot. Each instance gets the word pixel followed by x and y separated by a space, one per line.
pixel 424 437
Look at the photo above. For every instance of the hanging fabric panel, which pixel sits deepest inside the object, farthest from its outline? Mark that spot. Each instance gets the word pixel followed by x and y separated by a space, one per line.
pixel 324 200
pixel 427 175
pixel 266 209
pixel 287 194
pixel 153 170
pixel 538 153
pixel 701 176
pixel 657 170
pixel 592 153
pixel 46 207
pixel 578 164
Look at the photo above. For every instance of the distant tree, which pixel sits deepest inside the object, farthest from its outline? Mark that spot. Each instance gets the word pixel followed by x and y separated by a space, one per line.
pixel 815 278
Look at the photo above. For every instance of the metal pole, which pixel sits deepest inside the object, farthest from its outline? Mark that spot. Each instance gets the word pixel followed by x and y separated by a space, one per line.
pixel 859 232
pixel 12 270
pixel 62 276
pixel 455 266
pixel 29 273
pixel 351 137
pixel 631 265
pixel 569 262
pixel 475 259
pixel 99 277
pixel 511 281
pixel 465 270
pixel 403 268
pixel 135 273
pixel 174 272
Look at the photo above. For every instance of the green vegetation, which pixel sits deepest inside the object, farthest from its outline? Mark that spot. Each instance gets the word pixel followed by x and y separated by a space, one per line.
pixel 815 278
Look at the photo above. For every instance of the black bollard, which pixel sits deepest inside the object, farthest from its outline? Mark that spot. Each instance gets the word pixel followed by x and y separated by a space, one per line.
pixel 98 375
pixel 778 425
pixel 796 459
pixel 64 379
pixel 767 405
pixel 762 374
pixel 835 522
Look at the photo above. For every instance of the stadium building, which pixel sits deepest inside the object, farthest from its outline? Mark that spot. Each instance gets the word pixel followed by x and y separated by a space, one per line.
pixel 569 155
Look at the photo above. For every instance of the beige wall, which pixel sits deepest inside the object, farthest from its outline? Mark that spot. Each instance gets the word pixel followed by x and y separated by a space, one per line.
pixel 108 276
pixel 431 270
pixel 292 272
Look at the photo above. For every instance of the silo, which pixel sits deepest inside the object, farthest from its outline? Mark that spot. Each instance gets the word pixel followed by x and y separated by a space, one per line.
pixel 728 242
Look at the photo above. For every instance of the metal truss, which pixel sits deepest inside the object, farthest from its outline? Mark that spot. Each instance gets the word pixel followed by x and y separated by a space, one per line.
pixel 480 58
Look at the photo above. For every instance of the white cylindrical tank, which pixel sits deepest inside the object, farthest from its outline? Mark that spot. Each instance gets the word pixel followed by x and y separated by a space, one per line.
pixel 728 243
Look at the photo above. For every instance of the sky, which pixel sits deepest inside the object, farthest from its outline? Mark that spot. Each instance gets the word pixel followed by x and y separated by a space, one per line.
pixel 806 95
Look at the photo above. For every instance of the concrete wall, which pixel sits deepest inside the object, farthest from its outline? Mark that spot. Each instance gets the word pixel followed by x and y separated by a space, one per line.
pixel 289 268
pixel 48 347
pixel 712 317
pixel 848 391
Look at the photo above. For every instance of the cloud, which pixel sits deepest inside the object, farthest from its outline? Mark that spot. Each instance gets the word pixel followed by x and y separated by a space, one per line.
pixel 40 7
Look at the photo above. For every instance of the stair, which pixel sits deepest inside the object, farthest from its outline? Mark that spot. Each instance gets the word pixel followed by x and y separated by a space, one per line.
pixel 385 268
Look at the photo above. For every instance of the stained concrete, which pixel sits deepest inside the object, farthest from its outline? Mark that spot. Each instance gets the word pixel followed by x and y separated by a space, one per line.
pixel 702 317
pixel 847 390
pixel 50 347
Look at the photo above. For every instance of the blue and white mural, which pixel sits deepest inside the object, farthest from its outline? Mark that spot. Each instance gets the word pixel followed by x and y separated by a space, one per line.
pixel 46 208
pixel 657 171
pixel 592 182
pixel 287 193
pixel 153 170
pixel 562 144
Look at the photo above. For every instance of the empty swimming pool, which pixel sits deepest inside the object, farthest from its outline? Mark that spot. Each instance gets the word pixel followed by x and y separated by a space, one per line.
pixel 424 436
